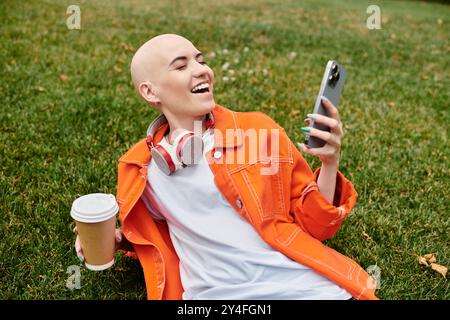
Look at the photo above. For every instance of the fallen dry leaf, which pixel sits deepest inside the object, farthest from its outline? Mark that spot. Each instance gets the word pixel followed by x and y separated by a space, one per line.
pixel 63 77
pixel 117 69
pixel 422 261
pixel 441 269
pixel 430 257
pixel 39 88
pixel 391 104
pixel 425 77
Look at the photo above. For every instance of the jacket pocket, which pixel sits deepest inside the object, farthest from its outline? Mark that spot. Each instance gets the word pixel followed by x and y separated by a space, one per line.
pixel 261 187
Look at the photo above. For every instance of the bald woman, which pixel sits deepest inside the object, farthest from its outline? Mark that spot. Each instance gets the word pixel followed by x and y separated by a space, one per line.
pixel 221 254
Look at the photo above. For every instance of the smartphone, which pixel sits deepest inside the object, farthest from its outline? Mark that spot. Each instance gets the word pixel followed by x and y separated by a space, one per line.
pixel 331 87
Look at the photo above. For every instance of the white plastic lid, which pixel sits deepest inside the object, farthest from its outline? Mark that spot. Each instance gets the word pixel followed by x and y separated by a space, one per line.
pixel 94 207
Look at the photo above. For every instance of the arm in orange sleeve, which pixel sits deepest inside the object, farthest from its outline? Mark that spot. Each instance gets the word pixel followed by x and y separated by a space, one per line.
pixel 311 209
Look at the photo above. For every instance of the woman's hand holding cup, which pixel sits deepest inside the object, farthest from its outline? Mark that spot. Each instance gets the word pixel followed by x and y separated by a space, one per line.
pixel 120 244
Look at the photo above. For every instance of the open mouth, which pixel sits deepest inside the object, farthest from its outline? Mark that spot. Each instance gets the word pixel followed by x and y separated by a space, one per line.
pixel 201 88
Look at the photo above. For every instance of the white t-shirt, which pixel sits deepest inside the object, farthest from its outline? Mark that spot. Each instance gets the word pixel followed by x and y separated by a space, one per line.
pixel 221 254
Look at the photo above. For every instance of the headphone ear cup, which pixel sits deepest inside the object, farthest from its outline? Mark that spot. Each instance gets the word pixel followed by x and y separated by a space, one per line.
pixel 191 150
pixel 163 160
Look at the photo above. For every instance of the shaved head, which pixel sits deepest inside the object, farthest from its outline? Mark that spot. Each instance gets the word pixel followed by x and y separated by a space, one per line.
pixel 171 75
pixel 154 55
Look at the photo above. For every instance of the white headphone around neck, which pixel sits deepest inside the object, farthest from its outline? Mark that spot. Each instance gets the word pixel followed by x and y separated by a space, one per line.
pixel 186 150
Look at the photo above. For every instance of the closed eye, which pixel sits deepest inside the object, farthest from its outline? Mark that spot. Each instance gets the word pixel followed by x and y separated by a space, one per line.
pixel 184 66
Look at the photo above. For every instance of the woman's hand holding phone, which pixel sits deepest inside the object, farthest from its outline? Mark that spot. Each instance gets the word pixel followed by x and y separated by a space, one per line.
pixel 328 154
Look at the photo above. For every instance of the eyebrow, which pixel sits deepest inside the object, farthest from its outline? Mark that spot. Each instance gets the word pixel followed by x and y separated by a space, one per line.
pixel 184 58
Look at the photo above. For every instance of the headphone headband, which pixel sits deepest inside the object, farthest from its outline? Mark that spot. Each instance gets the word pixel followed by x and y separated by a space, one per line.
pixel 161 119
pixel 154 125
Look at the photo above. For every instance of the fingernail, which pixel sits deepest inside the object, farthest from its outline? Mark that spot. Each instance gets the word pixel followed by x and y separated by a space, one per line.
pixel 312 116
pixel 81 258
pixel 300 145
pixel 306 129
pixel 325 98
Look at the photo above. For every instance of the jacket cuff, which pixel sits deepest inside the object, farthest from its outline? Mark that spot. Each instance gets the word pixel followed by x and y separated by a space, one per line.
pixel 320 209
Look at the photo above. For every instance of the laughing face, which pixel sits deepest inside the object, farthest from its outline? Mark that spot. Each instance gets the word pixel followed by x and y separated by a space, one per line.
pixel 171 74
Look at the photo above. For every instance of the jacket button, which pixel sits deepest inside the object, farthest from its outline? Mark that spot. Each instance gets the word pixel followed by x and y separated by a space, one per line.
pixel 217 154
pixel 239 203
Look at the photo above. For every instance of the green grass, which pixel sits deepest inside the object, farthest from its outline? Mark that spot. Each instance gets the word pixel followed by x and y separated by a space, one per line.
pixel 62 139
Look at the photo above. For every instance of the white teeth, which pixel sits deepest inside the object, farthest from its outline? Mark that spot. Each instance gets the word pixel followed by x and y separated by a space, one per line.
pixel 200 86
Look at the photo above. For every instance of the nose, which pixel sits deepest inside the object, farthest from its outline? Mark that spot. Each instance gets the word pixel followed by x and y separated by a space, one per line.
pixel 200 70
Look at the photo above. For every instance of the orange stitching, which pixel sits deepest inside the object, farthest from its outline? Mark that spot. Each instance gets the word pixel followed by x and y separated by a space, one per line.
pixel 239 195
pixel 291 237
pixel 280 191
pixel 312 186
pixel 253 193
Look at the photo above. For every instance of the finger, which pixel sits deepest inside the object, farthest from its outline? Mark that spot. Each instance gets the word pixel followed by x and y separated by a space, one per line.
pixel 302 147
pixel 331 109
pixel 118 235
pixel 78 249
pixel 324 135
pixel 74 230
pixel 314 151
pixel 307 121
pixel 311 151
pixel 331 123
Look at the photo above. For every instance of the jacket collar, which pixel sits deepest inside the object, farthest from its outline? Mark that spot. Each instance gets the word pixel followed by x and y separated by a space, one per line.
pixel 223 119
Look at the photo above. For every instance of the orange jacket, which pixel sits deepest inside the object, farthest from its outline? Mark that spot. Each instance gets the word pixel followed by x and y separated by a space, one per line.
pixel 286 209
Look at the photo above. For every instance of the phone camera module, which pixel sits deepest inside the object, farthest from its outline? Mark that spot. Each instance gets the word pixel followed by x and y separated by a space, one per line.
pixel 334 69
pixel 334 77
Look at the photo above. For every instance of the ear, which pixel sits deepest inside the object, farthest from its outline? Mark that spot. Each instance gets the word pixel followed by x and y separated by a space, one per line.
pixel 147 92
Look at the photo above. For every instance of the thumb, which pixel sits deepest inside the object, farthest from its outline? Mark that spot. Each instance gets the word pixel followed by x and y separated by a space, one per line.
pixel 302 147
pixel 78 249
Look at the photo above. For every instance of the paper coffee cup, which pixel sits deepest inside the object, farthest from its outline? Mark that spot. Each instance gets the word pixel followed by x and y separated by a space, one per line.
pixel 95 217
